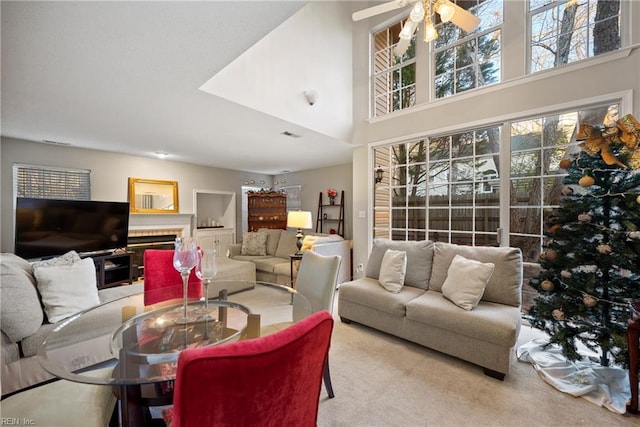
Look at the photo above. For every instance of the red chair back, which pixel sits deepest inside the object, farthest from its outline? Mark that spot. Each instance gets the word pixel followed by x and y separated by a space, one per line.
pixel 273 380
pixel 162 281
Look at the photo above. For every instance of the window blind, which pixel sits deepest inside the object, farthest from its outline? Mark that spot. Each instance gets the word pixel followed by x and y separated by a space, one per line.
pixel 47 182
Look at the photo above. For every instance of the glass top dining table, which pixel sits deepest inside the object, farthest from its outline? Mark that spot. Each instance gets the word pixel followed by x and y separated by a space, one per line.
pixel 124 342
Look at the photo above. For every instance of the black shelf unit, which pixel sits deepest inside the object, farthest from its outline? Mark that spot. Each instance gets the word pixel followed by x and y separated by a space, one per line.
pixel 330 216
pixel 113 269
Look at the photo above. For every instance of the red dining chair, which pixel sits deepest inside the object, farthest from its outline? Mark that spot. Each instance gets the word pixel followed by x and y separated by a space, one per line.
pixel 273 380
pixel 162 281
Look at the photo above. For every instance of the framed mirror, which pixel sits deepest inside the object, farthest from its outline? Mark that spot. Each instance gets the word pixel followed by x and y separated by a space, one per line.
pixel 153 196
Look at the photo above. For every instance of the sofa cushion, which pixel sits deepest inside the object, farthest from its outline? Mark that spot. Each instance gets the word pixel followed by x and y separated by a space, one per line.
pixel 368 292
pixel 392 270
pixel 273 237
pixel 21 313
pixel 286 245
pixel 254 243
pixel 466 281
pixel 267 264
pixel 491 322
pixel 30 344
pixel 419 257
pixel 505 284
pixel 67 289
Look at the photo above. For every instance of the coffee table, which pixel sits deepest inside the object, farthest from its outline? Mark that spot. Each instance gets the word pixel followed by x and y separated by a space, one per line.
pixel 141 344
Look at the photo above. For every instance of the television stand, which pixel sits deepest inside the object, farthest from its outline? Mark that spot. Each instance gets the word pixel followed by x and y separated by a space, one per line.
pixel 113 269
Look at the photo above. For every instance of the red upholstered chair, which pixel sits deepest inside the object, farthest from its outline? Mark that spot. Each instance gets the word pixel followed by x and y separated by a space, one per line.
pixel 162 281
pixel 273 380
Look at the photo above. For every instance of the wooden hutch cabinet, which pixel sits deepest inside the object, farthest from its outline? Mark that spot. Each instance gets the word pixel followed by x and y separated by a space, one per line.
pixel 266 210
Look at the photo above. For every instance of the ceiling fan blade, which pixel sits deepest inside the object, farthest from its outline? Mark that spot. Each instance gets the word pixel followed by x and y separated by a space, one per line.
pixel 377 10
pixel 465 19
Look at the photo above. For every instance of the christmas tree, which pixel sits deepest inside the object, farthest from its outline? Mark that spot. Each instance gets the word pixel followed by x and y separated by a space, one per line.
pixel 591 260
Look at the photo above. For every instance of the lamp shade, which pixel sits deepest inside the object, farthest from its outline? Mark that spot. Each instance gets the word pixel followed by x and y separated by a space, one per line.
pixel 299 219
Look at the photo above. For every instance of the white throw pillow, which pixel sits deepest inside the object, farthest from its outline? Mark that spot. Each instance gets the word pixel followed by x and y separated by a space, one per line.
pixel 69 258
pixel 392 270
pixel 254 244
pixel 466 280
pixel 67 289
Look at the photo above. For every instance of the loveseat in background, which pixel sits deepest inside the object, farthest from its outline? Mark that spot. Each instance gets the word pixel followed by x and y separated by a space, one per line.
pixel 419 312
pixel 275 265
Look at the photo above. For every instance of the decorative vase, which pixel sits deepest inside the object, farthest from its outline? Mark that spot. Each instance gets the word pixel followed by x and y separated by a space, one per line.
pixel 332 200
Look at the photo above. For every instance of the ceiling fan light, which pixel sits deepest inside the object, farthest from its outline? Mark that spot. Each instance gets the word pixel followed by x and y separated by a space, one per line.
pixel 446 10
pixel 430 32
pixel 417 13
pixel 464 19
pixel 401 47
pixel 407 30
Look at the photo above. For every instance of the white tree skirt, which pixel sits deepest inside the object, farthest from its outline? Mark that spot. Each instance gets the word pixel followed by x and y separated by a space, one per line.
pixel 604 386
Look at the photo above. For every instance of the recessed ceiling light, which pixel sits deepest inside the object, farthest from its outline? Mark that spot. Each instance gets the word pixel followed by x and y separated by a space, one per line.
pixel 161 154
pixel 291 134
pixel 48 141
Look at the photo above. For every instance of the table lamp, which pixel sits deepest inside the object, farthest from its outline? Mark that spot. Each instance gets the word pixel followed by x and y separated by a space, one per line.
pixel 299 220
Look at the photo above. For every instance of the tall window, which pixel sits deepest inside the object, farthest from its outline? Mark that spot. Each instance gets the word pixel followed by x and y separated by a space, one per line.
pixel 537 146
pixel 48 182
pixel 565 31
pixel 394 77
pixel 465 61
pixel 447 188
pixel 442 188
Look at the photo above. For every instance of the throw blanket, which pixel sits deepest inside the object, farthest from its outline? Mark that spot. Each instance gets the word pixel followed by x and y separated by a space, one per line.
pixel 604 386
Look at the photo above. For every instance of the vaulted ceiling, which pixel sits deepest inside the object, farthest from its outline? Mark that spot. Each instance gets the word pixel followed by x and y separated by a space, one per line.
pixel 215 83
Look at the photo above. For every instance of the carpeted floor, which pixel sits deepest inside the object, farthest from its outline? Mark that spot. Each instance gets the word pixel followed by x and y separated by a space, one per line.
pixel 380 380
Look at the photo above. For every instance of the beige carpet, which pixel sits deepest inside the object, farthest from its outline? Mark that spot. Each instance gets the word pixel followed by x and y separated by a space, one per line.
pixel 380 380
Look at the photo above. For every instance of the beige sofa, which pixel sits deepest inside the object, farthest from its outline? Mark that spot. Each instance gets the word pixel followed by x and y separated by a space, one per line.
pixel 275 265
pixel 24 323
pixel 419 312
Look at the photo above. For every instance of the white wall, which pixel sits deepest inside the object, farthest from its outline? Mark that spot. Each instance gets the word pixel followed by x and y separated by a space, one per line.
pixel 314 181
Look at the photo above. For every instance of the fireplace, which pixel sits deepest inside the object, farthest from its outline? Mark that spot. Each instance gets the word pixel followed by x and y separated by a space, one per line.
pixel 151 231
pixel 138 244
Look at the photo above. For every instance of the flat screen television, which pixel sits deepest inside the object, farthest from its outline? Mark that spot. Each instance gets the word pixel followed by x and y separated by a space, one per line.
pixel 47 227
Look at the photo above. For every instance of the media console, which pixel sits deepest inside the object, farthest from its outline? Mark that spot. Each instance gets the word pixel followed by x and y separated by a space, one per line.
pixel 113 269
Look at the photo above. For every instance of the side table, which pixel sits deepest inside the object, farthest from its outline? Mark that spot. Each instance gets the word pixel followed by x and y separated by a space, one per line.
pixel 292 260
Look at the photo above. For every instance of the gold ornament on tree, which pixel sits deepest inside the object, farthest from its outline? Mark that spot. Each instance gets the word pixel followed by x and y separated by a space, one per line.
pixel 589 301
pixel 584 217
pixel 565 163
pixel 547 285
pixel 604 249
pixel 586 181
pixel 549 255
pixel 558 314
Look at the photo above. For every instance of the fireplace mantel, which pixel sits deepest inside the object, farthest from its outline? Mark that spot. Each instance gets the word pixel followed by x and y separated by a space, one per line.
pixel 154 223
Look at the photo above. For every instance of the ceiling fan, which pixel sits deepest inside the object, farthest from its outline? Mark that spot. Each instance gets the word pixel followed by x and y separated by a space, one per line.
pixel 422 10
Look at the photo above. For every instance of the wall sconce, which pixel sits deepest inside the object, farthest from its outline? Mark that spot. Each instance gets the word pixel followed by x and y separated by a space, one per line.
pixel 379 175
